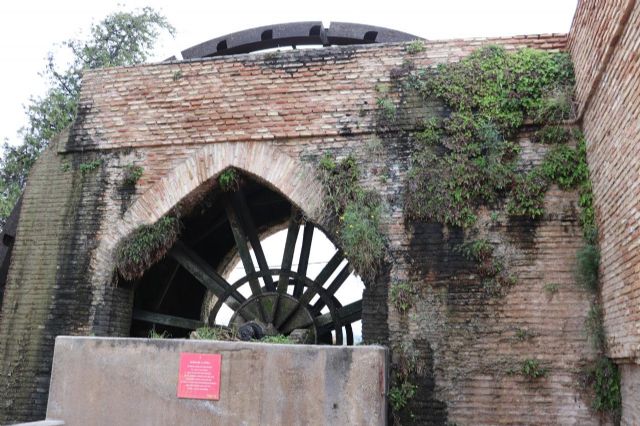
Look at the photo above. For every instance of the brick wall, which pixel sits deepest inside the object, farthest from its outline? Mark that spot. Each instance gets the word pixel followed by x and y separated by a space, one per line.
pixel 595 31
pixel 274 115
pixel 610 125
pixel 604 44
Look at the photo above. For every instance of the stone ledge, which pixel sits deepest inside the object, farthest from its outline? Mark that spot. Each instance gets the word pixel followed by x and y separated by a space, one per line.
pixel 107 381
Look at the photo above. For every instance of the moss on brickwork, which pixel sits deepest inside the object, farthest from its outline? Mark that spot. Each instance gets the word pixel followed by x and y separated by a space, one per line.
pixel 145 246
pixel 49 282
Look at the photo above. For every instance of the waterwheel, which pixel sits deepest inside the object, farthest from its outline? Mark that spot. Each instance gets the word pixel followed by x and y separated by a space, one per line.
pixel 189 288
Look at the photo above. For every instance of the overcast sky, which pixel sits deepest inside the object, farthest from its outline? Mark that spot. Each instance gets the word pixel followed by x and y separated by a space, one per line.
pixel 31 28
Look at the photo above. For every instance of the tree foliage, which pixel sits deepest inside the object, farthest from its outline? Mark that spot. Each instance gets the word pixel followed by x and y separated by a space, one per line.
pixel 122 38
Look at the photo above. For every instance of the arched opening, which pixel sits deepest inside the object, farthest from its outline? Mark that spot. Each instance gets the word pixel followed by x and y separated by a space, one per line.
pixel 246 255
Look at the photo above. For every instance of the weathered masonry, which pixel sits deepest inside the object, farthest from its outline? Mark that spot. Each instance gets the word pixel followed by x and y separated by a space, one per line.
pixel 478 342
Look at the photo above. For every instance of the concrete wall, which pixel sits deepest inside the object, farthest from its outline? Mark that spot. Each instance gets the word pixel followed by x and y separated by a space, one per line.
pixel 99 381
pixel 183 122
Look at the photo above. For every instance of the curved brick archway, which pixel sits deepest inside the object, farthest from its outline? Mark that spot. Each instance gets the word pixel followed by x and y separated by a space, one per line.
pixel 295 180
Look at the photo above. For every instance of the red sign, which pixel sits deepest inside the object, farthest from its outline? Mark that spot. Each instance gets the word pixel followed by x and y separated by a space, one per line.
pixel 199 376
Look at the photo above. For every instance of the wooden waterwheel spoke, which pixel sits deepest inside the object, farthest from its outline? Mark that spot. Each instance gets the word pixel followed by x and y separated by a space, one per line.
pixel 322 277
pixel 168 320
pixel 240 204
pixel 307 237
pixel 334 286
pixel 205 274
pixel 289 247
pixel 287 260
pixel 349 332
pixel 347 314
pixel 243 250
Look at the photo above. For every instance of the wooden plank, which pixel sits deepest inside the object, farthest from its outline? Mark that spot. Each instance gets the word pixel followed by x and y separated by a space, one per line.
pixel 168 320
pixel 205 274
pixel 329 268
pixel 307 237
pixel 242 208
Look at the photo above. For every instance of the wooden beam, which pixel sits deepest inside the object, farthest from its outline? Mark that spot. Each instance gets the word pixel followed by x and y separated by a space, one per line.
pixel 240 204
pixel 245 256
pixel 205 274
pixel 329 268
pixel 322 277
pixel 243 249
pixel 168 320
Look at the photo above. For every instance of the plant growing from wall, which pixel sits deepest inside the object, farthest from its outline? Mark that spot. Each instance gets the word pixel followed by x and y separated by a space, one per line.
pixel 153 334
pixel 551 288
pixel 416 46
pixel 587 268
pixel 90 166
pixel 467 158
pixel 532 369
pixel 228 180
pixel 400 395
pixel 131 175
pixel 215 333
pixel 552 135
pixel 606 384
pixel 595 329
pixel 145 246
pixel 404 369
pixel 279 339
pixel 386 110
pixel 403 295
pixel 358 212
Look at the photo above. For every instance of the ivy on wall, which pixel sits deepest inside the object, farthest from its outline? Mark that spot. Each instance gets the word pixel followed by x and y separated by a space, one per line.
pixel 468 157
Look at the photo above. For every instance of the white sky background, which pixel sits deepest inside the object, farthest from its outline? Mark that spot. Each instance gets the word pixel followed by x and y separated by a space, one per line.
pixel 31 28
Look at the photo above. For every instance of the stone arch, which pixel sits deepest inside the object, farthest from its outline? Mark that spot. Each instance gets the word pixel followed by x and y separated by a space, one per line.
pixel 295 180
